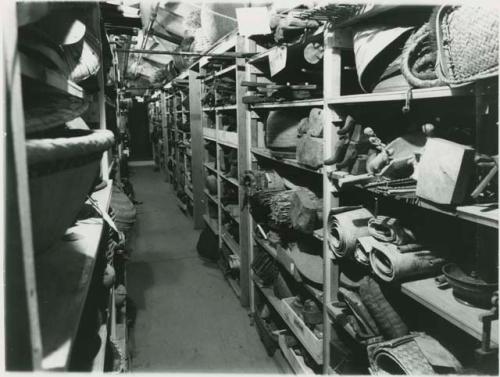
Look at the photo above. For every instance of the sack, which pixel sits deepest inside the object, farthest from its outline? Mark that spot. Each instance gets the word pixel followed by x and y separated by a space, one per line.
pixel 208 245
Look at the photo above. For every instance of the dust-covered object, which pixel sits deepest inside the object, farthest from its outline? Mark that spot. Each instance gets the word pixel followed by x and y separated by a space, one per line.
pixel 345 229
pixel 415 354
pixel 310 151
pixel 282 131
pixel 409 262
pixel 315 121
pixel 467 40
pixel 280 204
pixel 304 210
pixel 389 229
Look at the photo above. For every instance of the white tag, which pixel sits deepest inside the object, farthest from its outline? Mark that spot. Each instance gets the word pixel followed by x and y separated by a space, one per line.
pixel 253 21
pixel 277 59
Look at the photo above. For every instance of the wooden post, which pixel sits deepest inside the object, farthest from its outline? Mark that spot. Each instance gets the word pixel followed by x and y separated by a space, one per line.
pixel 22 341
pixel 163 112
pixel 244 163
pixel 331 88
pixel 196 148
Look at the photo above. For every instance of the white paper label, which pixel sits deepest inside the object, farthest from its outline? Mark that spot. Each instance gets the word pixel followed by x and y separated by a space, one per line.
pixel 253 21
pixel 277 59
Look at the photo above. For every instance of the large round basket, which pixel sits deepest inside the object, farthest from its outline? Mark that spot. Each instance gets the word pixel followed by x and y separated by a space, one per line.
pixel 61 173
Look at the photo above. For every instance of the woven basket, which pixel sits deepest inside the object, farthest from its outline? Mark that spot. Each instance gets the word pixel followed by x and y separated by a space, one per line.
pixel 467 39
pixel 61 173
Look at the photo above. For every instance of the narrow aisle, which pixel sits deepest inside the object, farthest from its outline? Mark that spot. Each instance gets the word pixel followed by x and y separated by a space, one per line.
pixel 188 318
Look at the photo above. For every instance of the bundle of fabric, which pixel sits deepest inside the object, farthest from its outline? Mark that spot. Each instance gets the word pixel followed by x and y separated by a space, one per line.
pixel 310 142
pixel 395 263
pixel 388 229
pixel 304 211
pixel 415 354
pixel 124 209
pixel 346 225
pixel 387 319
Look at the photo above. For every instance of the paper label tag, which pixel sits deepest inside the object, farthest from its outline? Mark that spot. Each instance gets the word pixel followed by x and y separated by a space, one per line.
pixel 277 59
pixel 253 21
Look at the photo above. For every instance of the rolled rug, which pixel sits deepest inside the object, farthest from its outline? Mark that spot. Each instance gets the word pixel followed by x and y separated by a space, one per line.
pixel 389 229
pixel 364 246
pixel 412 354
pixel 387 319
pixel 345 229
pixel 390 263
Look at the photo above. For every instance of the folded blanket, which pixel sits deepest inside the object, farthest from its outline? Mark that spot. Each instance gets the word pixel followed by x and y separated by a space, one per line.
pixel 388 229
pixel 416 354
pixel 345 229
pixel 392 263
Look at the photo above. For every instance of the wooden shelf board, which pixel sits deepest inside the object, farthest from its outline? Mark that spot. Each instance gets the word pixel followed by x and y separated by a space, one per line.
pixel 211 197
pixel 45 76
pixel 297 103
pixel 188 192
pixel 443 303
pixel 220 108
pixel 485 214
pixel 210 166
pixel 231 243
pixel 63 274
pixel 232 180
pixel 228 144
pixel 306 337
pixel 400 95
pixel 235 218
pixel 234 286
pixel 220 73
pixel 211 223
pixel 296 362
pixel 264 152
pixel 480 214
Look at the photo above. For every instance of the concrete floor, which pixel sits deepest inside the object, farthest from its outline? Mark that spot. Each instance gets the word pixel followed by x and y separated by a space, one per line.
pixel 188 318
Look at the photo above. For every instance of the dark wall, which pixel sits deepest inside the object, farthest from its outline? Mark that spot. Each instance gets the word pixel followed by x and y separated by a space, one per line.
pixel 140 145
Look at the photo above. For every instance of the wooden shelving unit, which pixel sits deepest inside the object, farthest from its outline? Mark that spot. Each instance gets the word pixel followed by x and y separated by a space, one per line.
pixel 208 133
pixel 47 291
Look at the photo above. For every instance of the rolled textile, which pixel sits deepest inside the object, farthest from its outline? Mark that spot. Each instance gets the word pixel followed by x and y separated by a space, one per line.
pixel 387 319
pixel 390 263
pixel 412 354
pixel 364 246
pixel 345 229
pixel 389 229
pixel 359 310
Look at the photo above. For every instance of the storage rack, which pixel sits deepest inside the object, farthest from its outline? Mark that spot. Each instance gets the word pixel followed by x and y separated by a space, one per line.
pixel 424 291
pixel 45 299
pixel 206 130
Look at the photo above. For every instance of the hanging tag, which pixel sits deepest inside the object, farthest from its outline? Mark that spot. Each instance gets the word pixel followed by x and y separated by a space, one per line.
pixel 253 21
pixel 277 59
